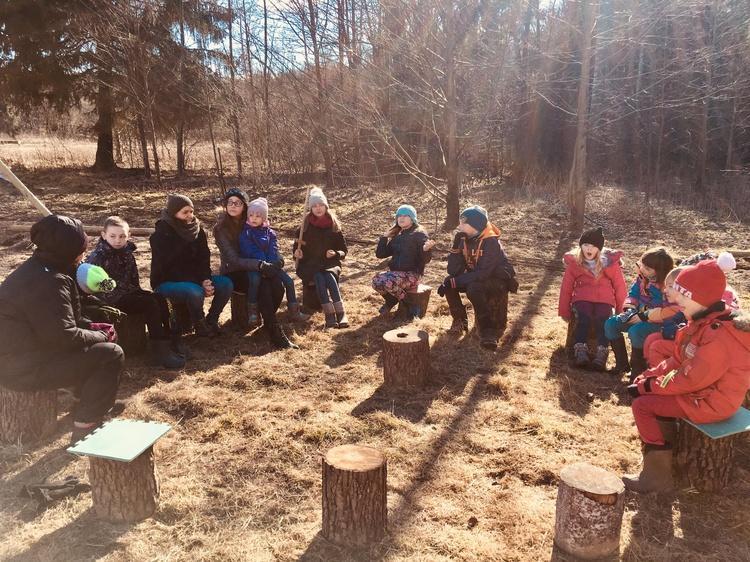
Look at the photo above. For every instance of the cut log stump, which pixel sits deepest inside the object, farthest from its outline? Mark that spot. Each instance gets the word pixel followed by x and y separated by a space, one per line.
pixel 124 491
pixel 239 312
pixel 310 299
pixel 419 297
pixel 180 318
pixel 27 416
pixel 570 339
pixel 131 333
pixel 406 357
pixel 355 511
pixel 588 515
pixel 497 302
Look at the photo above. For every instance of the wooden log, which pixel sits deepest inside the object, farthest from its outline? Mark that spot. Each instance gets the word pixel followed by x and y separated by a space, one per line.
pixel 240 318
pixel 406 357
pixel 124 491
pixel 355 511
pixel 180 317
pixel 90 230
pixel 701 462
pixel 498 304
pixel 420 297
pixel 588 514
pixel 131 333
pixel 310 299
pixel 27 416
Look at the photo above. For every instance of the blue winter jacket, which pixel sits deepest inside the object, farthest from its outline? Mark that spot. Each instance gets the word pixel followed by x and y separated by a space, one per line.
pixel 259 243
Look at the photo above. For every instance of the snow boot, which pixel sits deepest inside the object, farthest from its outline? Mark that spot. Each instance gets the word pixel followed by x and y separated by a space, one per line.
pixel 581 355
pixel 341 320
pixel 330 314
pixel 600 358
pixel 622 365
pixel 656 474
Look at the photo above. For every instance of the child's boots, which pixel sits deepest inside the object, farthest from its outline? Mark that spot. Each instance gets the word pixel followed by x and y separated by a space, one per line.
pixel 600 358
pixel 390 302
pixel 341 320
pixel 581 355
pixel 278 337
pixel 330 313
pixel 161 353
pixel 656 474
pixel 622 365
pixel 252 314
pixel 460 323
pixel 296 314
pixel 637 363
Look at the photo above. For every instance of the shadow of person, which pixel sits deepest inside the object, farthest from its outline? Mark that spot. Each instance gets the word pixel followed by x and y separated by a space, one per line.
pixel 652 524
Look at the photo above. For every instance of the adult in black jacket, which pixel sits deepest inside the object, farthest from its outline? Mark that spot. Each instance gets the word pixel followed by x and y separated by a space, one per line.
pixel 181 265
pixel 45 343
pixel 271 290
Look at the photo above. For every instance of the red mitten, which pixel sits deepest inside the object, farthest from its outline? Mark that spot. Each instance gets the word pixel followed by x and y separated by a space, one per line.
pixel 107 329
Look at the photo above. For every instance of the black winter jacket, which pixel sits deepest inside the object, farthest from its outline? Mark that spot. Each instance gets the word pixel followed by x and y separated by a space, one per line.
pixel 40 321
pixel 175 259
pixel 120 265
pixel 480 259
pixel 406 250
pixel 316 242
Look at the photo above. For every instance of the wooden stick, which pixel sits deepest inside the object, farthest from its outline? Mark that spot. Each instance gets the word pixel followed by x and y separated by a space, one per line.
pixel 302 224
pixel 12 178
pixel 90 230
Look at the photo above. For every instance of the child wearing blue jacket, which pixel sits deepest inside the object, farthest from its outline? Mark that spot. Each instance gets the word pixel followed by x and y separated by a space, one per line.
pixel 258 241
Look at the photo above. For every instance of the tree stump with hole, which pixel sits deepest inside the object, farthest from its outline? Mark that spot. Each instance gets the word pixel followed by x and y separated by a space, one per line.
pixel 406 357
pixel 239 312
pixel 131 333
pixel 27 416
pixel 497 301
pixel 419 297
pixel 701 462
pixel 589 510
pixel 124 491
pixel 310 299
pixel 355 511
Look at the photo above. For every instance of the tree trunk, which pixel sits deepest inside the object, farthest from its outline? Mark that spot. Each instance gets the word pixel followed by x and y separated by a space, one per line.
pixel 144 147
pixel 701 462
pixel 105 154
pixel 355 511
pixel 453 186
pixel 589 510
pixel 122 491
pixel 406 358
pixel 27 416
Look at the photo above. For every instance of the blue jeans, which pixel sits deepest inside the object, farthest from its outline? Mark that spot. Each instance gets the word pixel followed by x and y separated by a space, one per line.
pixel 325 284
pixel 614 328
pixel 254 278
pixel 588 313
pixel 192 295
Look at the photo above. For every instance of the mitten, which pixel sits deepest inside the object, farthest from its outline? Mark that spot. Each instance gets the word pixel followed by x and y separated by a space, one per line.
pixel 107 329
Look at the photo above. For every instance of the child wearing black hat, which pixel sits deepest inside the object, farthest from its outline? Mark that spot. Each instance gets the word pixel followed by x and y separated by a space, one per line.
pixel 477 266
pixel 593 284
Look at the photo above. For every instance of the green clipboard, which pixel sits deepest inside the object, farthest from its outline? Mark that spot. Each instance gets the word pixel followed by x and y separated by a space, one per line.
pixel 120 440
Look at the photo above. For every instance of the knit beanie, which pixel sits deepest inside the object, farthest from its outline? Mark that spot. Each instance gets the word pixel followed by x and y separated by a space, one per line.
pixel 704 282
pixel 476 217
pixel 238 193
pixel 317 197
pixel 175 202
pixel 407 211
pixel 59 239
pixel 260 206
pixel 93 279
pixel 594 236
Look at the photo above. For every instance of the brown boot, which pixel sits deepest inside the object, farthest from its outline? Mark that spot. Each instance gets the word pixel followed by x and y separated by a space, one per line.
pixel 330 314
pixel 656 474
pixel 341 319
pixel 295 313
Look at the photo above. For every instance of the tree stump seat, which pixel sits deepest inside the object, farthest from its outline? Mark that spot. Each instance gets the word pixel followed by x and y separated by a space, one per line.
pixel 419 297
pixel 180 317
pixel 355 510
pixel 310 299
pixel 498 305
pixel 704 453
pixel 570 339
pixel 406 358
pixel 589 510
pixel 122 473
pixel 131 333
pixel 240 318
pixel 27 416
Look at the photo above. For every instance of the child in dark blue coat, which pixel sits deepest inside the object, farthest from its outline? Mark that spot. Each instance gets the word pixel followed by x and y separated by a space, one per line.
pixel 258 241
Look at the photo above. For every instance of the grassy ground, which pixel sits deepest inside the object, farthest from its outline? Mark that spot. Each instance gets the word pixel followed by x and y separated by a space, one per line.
pixel 473 458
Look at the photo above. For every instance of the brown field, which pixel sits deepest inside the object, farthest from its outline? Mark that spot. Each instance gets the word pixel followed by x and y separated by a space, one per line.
pixel 240 472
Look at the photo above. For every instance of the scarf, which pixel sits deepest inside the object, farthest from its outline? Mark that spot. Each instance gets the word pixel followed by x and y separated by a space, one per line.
pixel 188 231
pixel 326 221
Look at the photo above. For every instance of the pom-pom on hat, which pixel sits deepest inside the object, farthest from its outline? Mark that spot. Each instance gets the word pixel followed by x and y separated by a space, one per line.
pixel 259 206
pixel 476 217
pixel 93 279
pixel 703 282
pixel 407 211
pixel 594 236
pixel 317 197
pixel 726 262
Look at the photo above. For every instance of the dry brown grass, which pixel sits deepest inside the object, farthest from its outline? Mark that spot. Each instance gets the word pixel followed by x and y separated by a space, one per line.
pixel 486 439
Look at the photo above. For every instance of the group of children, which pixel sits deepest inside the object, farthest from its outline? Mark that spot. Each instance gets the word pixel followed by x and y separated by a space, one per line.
pixel 690 344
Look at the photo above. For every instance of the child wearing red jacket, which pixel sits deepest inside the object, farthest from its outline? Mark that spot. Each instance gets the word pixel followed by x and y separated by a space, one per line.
pixel 593 284
pixel 705 381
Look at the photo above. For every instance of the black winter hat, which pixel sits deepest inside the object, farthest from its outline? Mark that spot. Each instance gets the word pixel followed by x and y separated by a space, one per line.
pixel 236 192
pixel 59 239
pixel 175 202
pixel 595 237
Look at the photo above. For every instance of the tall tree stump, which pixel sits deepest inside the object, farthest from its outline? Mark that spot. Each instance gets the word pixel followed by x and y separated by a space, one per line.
pixel 310 299
pixel 406 357
pixel 124 491
pixel 27 416
pixel 701 462
pixel 588 514
pixel 497 302
pixel 355 510
pixel 131 333
pixel 419 297
pixel 240 317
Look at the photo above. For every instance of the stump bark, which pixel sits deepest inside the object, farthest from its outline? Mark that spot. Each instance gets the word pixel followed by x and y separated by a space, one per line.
pixel 498 305
pixel 131 334
pixel 588 515
pixel 355 511
pixel 180 317
pixel 310 299
pixel 406 357
pixel 701 462
pixel 420 298
pixel 124 491
pixel 27 416
pixel 239 312
pixel 570 339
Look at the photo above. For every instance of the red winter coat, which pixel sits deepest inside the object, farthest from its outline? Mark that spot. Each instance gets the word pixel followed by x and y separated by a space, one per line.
pixel 579 283
pixel 712 358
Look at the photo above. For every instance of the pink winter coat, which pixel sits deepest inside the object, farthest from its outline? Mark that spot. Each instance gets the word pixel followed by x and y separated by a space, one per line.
pixel 579 283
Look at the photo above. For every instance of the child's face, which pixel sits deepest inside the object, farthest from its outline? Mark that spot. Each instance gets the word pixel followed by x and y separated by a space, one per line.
pixel 318 209
pixel 404 222
pixel 467 229
pixel 234 206
pixel 186 214
pixel 689 307
pixel 590 252
pixel 116 236
pixel 255 219
pixel 669 291
pixel 648 272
